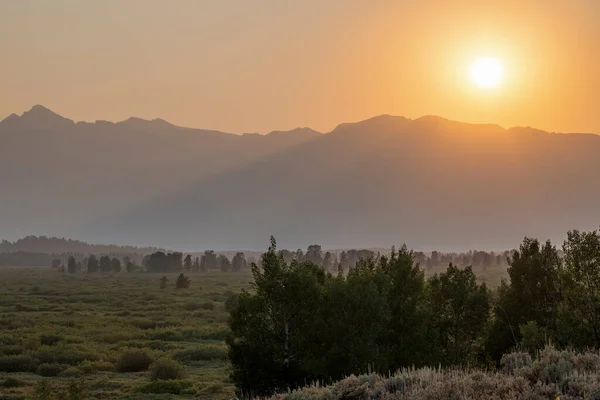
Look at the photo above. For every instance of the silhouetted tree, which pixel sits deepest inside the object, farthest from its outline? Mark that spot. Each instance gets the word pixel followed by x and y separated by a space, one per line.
pixel 182 282
pixel 187 263
pixel 239 262
pixel 92 264
pixel 224 263
pixel 105 264
pixel 460 312
pixel 115 265
pixel 72 265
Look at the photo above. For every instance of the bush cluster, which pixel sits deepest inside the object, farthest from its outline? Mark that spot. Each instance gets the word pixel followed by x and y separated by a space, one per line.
pixel 552 374
pixel 167 369
pixel 134 360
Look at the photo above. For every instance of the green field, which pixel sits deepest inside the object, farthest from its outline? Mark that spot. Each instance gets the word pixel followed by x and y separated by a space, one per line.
pixel 79 325
pixel 65 328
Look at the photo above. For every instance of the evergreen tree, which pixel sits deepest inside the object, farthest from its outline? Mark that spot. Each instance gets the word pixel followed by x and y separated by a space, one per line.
pixel 105 264
pixel 115 265
pixel 72 265
pixel 92 264
pixel 187 263
pixel 182 282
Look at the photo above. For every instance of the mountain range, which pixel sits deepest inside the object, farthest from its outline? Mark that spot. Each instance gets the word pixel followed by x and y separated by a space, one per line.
pixel 429 182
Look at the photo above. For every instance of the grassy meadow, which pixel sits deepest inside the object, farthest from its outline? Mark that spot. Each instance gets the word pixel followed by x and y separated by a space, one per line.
pixel 67 328
pixel 110 334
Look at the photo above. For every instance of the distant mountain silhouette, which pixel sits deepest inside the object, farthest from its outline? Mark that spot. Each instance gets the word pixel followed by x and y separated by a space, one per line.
pixel 429 182
pixel 59 176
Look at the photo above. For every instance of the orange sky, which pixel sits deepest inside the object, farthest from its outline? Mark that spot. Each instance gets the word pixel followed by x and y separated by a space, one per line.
pixel 260 65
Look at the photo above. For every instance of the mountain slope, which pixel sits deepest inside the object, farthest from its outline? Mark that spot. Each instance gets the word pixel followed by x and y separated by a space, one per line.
pixel 59 176
pixel 429 182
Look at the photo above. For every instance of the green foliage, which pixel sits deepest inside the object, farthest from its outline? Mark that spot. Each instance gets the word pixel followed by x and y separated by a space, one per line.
pixel 582 284
pixel 167 369
pixel 182 282
pixel 12 383
pixel 99 317
pixel 75 391
pixel 201 353
pixel 17 363
pixel 42 391
pixel 134 360
pixel 50 339
pixel 49 370
pixel 167 387
pixel 460 309
pixel 231 302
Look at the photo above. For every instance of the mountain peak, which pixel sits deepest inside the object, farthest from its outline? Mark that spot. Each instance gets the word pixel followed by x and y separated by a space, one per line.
pixel 37 118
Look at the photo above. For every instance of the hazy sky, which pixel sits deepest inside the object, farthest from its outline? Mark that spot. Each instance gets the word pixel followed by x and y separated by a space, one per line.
pixel 259 65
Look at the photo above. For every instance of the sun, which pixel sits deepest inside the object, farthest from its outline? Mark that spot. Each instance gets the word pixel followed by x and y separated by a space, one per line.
pixel 486 72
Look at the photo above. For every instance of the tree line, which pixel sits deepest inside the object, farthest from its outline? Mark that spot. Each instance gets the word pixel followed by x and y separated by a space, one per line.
pixel 55 245
pixel 300 323
pixel 175 262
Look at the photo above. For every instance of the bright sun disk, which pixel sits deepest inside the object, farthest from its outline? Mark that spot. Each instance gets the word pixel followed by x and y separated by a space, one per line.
pixel 486 72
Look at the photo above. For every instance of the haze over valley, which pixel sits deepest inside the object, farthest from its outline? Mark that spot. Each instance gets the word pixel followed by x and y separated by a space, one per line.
pixel 430 182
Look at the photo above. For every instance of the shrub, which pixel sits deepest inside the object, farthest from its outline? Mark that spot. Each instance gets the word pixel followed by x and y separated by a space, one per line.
pixel 209 305
pixel 42 391
pixel 62 355
pixel 144 324
pixel 50 370
pixel 71 372
pixel 20 363
pixel 167 387
pixel 50 340
pixel 182 282
pixel 134 360
pixel 90 367
pixel 201 353
pixel 75 391
pixel 166 369
pixel 12 383
pixel 12 350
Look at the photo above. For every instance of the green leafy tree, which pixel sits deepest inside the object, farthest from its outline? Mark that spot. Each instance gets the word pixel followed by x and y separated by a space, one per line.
pixel 272 328
pixel 582 287
pixel 460 309
pixel 407 332
pixel 532 295
pixel 358 300
pixel 196 265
